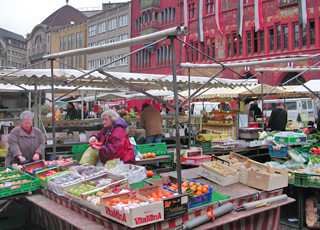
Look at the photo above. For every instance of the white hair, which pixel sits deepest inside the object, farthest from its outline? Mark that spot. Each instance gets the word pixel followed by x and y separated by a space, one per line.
pixel 26 114
pixel 113 115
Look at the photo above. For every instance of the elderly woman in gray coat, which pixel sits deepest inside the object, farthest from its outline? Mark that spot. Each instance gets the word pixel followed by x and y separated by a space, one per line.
pixel 25 142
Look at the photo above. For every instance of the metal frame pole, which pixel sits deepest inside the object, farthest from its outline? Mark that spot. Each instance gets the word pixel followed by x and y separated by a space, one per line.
pixel 262 110
pixel 175 87
pixel 53 108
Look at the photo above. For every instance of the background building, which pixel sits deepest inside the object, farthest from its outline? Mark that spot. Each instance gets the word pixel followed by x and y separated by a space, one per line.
pixel 111 25
pixel 280 34
pixel 65 29
pixel 13 49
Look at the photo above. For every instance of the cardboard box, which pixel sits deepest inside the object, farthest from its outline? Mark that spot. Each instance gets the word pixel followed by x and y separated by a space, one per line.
pixel 4 145
pixel 262 177
pixel 233 160
pixel 36 166
pixel 135 217
pixel 296 138
pixel 250 165
pixel 230 176
pixel 152 182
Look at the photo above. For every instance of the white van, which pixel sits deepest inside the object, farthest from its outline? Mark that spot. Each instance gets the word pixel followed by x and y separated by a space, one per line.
pixel 196 107
pixel 303 107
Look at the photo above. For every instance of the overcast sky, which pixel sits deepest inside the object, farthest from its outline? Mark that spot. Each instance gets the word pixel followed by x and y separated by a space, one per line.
pixel 21 16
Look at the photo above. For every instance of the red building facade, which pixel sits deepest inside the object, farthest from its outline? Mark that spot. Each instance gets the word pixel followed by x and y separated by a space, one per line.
pixel 281 35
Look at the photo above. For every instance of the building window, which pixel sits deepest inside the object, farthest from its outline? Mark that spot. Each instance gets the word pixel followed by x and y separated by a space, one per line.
pixel 261 41
pixel 101 62
pixel 229 46
pixel 196 52
pixel 191 51
pixel 234 39
pixel 296 35
pixel 285 37
pixel 78 39
pixel 213 47
pixel 123 61
pixel 208 48
pixel 112 24
pixel 111 60
pixel 123 20
pixel 92 64
pixel 192 11
pixel 304 37
pixel 102 42
pixel 203 50
pixel 62 43
pixel 240 45
pixel 62 62
pixel 101 27
pixel 92 31
pixel 312 40
pixel 123 37
pixel 278 29
pixel 271 35
pixel 112 40
pixel 174 14
pixel 210 6
pixel 249 43
pixel 255 42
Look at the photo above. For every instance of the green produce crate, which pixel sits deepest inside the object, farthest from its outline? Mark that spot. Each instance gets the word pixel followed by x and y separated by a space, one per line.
pixel 20 188
pixel 7 175
pixel 8 167
pixel 157 148
pixel 15 215
pixel 80 148
pixel 206 146
pixel 304 149
pixel 310 180
pixel 78 156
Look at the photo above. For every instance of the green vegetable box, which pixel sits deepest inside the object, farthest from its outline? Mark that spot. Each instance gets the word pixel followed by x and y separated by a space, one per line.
pixel 290 138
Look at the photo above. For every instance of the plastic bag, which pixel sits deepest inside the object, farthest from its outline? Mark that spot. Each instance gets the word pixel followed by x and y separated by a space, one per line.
pixel 90 157
pixel 110 164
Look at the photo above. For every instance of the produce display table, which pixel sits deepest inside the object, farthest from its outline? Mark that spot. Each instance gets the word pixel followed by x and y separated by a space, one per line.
pixel 268 217
pixel 246 151
pixel 153 160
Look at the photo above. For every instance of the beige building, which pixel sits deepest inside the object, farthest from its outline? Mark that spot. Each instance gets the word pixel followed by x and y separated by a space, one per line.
pixel 112 25
pixel 65 29
pixel 13 49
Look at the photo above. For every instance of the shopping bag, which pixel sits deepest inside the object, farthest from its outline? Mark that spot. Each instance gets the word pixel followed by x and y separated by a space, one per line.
pixel 90 157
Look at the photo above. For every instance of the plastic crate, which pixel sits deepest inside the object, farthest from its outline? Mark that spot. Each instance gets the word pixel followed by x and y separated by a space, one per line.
pixel 32 185
pixel 206 146
pixel 197 160
pixel 4 176
pixel 36 166
pixel 80 148
pixel 310 180
pixel 14 216
pixel 282 152
pixel 294 178
pixel 7 167
pixel 304 149
pixel 157 148
pixel 197 200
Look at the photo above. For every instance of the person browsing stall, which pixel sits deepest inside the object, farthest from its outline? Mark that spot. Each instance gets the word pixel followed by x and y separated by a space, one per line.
pixel 151 120
pixel 278 118
pixel 114 139
pixel 72 112
pixel 26 142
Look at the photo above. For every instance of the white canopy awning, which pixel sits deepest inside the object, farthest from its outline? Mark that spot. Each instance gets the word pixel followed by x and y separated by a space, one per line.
pixel 95 79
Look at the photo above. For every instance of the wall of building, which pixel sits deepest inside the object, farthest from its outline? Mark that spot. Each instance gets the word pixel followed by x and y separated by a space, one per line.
pixel 278 17
pixel 69 37
pixel 100 32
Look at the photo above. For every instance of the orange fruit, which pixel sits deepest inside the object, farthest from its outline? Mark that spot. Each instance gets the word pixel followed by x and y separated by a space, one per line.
pixel 206 186
pixel 167 194
pixel 184 184
pixel 107 203
pixel 191 183
pixel 148 154
pixel 198 193
pixel 149 173
pixel 154 195
pixel 199 188
pixel 153 155
pixel 198 183
pixel 204 190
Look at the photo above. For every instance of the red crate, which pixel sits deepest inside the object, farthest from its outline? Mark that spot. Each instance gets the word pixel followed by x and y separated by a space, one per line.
pixel 197 160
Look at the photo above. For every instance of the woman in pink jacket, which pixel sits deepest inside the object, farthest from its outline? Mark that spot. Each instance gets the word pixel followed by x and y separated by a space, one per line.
pixel 113 138
pixel 25 142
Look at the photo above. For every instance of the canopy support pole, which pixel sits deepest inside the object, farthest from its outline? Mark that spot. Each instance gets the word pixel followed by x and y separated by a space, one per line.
pixel 189 105
pixel 175 87
pixel 262 110
pixel 35 106
pixel 53 111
